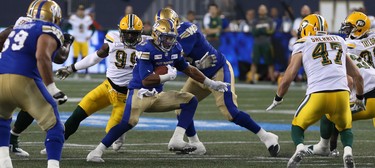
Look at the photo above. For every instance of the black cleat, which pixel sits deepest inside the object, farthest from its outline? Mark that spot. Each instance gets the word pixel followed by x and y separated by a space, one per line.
pixel 274 150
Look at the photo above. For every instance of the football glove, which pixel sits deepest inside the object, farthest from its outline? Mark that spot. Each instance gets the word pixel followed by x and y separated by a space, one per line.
pixel 64 72
pixel 57 94
pixel 358 104
pixel 216 85
pixel 171 74
pixel 68 39
pixel 276 101
pixel 206 61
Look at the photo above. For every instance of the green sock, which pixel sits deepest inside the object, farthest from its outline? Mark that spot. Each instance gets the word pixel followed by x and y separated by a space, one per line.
pixel 326 127
pixel 72 123
pixel 347 137
pixel 14 140
pixel 297 134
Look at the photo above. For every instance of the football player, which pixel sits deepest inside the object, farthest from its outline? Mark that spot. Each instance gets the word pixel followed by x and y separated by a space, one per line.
pixel 24 119
pixel 146 88
pixel 119 47
pixel 27 80
pixel 213 64
pixel 325 62
pixel 361 46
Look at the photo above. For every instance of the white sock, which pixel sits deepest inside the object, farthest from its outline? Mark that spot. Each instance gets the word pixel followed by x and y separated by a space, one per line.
pixel 347 151
pixel 179 133
pixel 13 133
pixel 101 147
pixel 53 163
pixel 193 139
pixel 4 151
pixel 300 147
pixel 323 142
pixel 262 134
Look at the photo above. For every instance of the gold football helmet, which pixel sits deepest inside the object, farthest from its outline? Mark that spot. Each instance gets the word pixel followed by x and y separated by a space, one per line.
pixel 312 25
pixel 45 10
pixel 167 13
pixel 164 34
pixel 130 28
pixel 356 25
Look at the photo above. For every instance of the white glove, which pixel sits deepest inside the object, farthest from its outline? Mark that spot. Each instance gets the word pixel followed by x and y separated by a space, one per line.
pixel 206 61
pixel 358 104
pixel 146 93
pixel 64 72
pixel 276 101
pixel 171 74
pixel 216 85
pixel 57 94
pixel 115 46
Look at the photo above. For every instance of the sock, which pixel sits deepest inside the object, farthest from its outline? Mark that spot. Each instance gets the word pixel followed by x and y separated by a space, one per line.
pixel 101 147
pixel 300 147
pixel 53 163
pixel 54 141
pixel 333 139
pixel 14 139
pixel 297 135
pixel 24 119
pixel 244 120
pixel 75 59
pixel 187 113
pixel 4 152
pixel 115 132
pixel 72 123
pixel 190 131
pixel 323 142
pixel 193 139
pixel 5 132
pixel 347 137
pixel 326 127
pixel 179 133
pixel 261 134
pixel 86 71
pixel 347 151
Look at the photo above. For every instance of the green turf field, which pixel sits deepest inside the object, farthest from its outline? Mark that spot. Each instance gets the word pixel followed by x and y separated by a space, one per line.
pixel 224 148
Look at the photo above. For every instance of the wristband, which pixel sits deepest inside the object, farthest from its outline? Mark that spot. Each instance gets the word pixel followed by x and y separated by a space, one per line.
pixel 73 68
pixel 278 98
pixel 52 89
pixel 359 97
pixel 164 78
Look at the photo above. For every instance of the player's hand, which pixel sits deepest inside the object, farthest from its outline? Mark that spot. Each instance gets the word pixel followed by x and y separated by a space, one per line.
pixel 68 39
pixel 115 46
pixel 172 72
pixel 206 61
pixel 57 94
pixel 276 101
pixel 64 72
pixel 216 85
pixel 359 104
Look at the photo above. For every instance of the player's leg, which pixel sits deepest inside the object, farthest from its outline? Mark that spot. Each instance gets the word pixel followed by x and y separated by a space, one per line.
pixel 369 113
pixel 254 65
pixel 93 101
pixel 23 121
pixel 133 109
pixel 267 51
pixel 326 129
pixel 171 100
pixel 84 53
pixel 309 111
pixel 200 92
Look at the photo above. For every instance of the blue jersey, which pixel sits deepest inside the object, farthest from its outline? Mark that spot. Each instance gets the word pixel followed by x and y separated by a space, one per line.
pixel 196 46
pixel 18 54
pixel 149 57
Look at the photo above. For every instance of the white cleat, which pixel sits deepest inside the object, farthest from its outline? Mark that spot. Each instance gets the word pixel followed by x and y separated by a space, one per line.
pixel 272 143
pixel 319 150
pixel 43 151
pixel 334 153
pixel 296 159
pixel 348 161
pixel 201 150
pixel 95 156
pixel 116 146
pixel 180 146
pixel 18 151
pixel 6 162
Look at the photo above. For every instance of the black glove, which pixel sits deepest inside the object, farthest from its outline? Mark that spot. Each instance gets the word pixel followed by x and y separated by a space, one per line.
pixel 68 39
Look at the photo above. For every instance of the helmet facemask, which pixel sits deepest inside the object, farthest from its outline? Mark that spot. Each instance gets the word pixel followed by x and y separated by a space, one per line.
pixel 166 41
pixel 130 37
pixel 347 28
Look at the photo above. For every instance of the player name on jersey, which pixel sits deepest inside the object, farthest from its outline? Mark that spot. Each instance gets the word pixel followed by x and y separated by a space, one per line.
pixel 325 39
pixel 368 42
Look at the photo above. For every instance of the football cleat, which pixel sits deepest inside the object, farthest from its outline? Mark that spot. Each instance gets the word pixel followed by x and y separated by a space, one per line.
pixel 6 162
pixel 116 146
pixel 272 144
pixel 95 156
pixel 180 146
pixel 318 150
pixel 296 159
pixel 348 161
pixel 334 153
pixel 18 151
pixel 43 151
pixel 201 149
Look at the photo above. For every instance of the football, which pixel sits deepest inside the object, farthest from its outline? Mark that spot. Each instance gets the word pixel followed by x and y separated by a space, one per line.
pixel 161 70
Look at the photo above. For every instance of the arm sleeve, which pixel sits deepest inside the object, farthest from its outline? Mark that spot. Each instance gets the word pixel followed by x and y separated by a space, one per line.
pixel 88 61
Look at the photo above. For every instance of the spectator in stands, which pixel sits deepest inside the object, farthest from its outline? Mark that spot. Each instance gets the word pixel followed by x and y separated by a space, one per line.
pixel 190 17
pixel 277 39
pixel 147 28
pixel 277 21
pixel 287 22
pixel 262 32
pixel 305 10
pixel 81 24
pixel 212 25
pixel 128 10
pixel 246 25
pixel 170 6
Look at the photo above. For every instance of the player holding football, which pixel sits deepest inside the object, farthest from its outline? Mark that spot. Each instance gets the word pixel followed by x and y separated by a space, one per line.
pixel 326 64
pixel 24 119
pixel 27 80
pixel 146 88
pixel 361 46
pixel 214 65
pixel 119 47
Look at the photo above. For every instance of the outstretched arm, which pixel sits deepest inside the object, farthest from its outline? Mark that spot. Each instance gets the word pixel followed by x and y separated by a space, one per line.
pixel 290 74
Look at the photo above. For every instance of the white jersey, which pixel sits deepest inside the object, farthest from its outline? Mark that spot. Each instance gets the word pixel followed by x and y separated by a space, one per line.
pixel 121 61
pixel 324 61
pixel 364 48
pixel 22 20
pixel 80 27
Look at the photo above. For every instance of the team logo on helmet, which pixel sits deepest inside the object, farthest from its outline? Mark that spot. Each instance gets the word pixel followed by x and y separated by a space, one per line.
pixel 360 23
pixel 304 23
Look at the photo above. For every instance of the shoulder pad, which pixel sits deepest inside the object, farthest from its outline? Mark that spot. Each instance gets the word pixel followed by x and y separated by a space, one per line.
pixel 55 31
pixel 111 36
